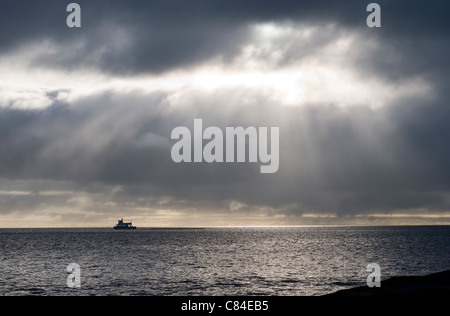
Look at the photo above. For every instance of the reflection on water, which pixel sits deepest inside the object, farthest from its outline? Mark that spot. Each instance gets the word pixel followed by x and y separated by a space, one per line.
pixel 215 261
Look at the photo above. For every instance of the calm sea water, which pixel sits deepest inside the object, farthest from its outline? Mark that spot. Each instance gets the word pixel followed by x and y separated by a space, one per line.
pixel 215 261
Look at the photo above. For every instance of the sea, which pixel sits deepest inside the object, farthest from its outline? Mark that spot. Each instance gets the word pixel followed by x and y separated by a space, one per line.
pixel 232 261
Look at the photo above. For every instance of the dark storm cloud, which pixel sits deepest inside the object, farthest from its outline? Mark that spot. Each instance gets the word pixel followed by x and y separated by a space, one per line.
pixel 349 162
pixel 152 36
pixel 344 161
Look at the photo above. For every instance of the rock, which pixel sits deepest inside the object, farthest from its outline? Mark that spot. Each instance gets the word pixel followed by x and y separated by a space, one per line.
pixel 437 284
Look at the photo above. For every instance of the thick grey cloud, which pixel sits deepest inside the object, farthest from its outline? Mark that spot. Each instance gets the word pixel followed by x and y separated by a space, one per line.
pixel 153 36
pixel 351 161
pixel 344 161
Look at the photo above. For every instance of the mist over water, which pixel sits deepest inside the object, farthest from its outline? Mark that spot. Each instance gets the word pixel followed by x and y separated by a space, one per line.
pixel 278 261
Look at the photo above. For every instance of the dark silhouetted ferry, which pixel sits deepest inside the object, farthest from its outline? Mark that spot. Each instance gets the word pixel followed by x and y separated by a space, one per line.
pixel 121 225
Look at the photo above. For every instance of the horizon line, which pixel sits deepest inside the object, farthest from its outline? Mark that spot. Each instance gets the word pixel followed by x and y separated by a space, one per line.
pixel 234 226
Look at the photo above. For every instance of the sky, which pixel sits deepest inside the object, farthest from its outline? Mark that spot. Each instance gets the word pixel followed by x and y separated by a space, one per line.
pixel 86 114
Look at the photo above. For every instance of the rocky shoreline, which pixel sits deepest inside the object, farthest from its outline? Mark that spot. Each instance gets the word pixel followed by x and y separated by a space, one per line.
pixel 436 284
